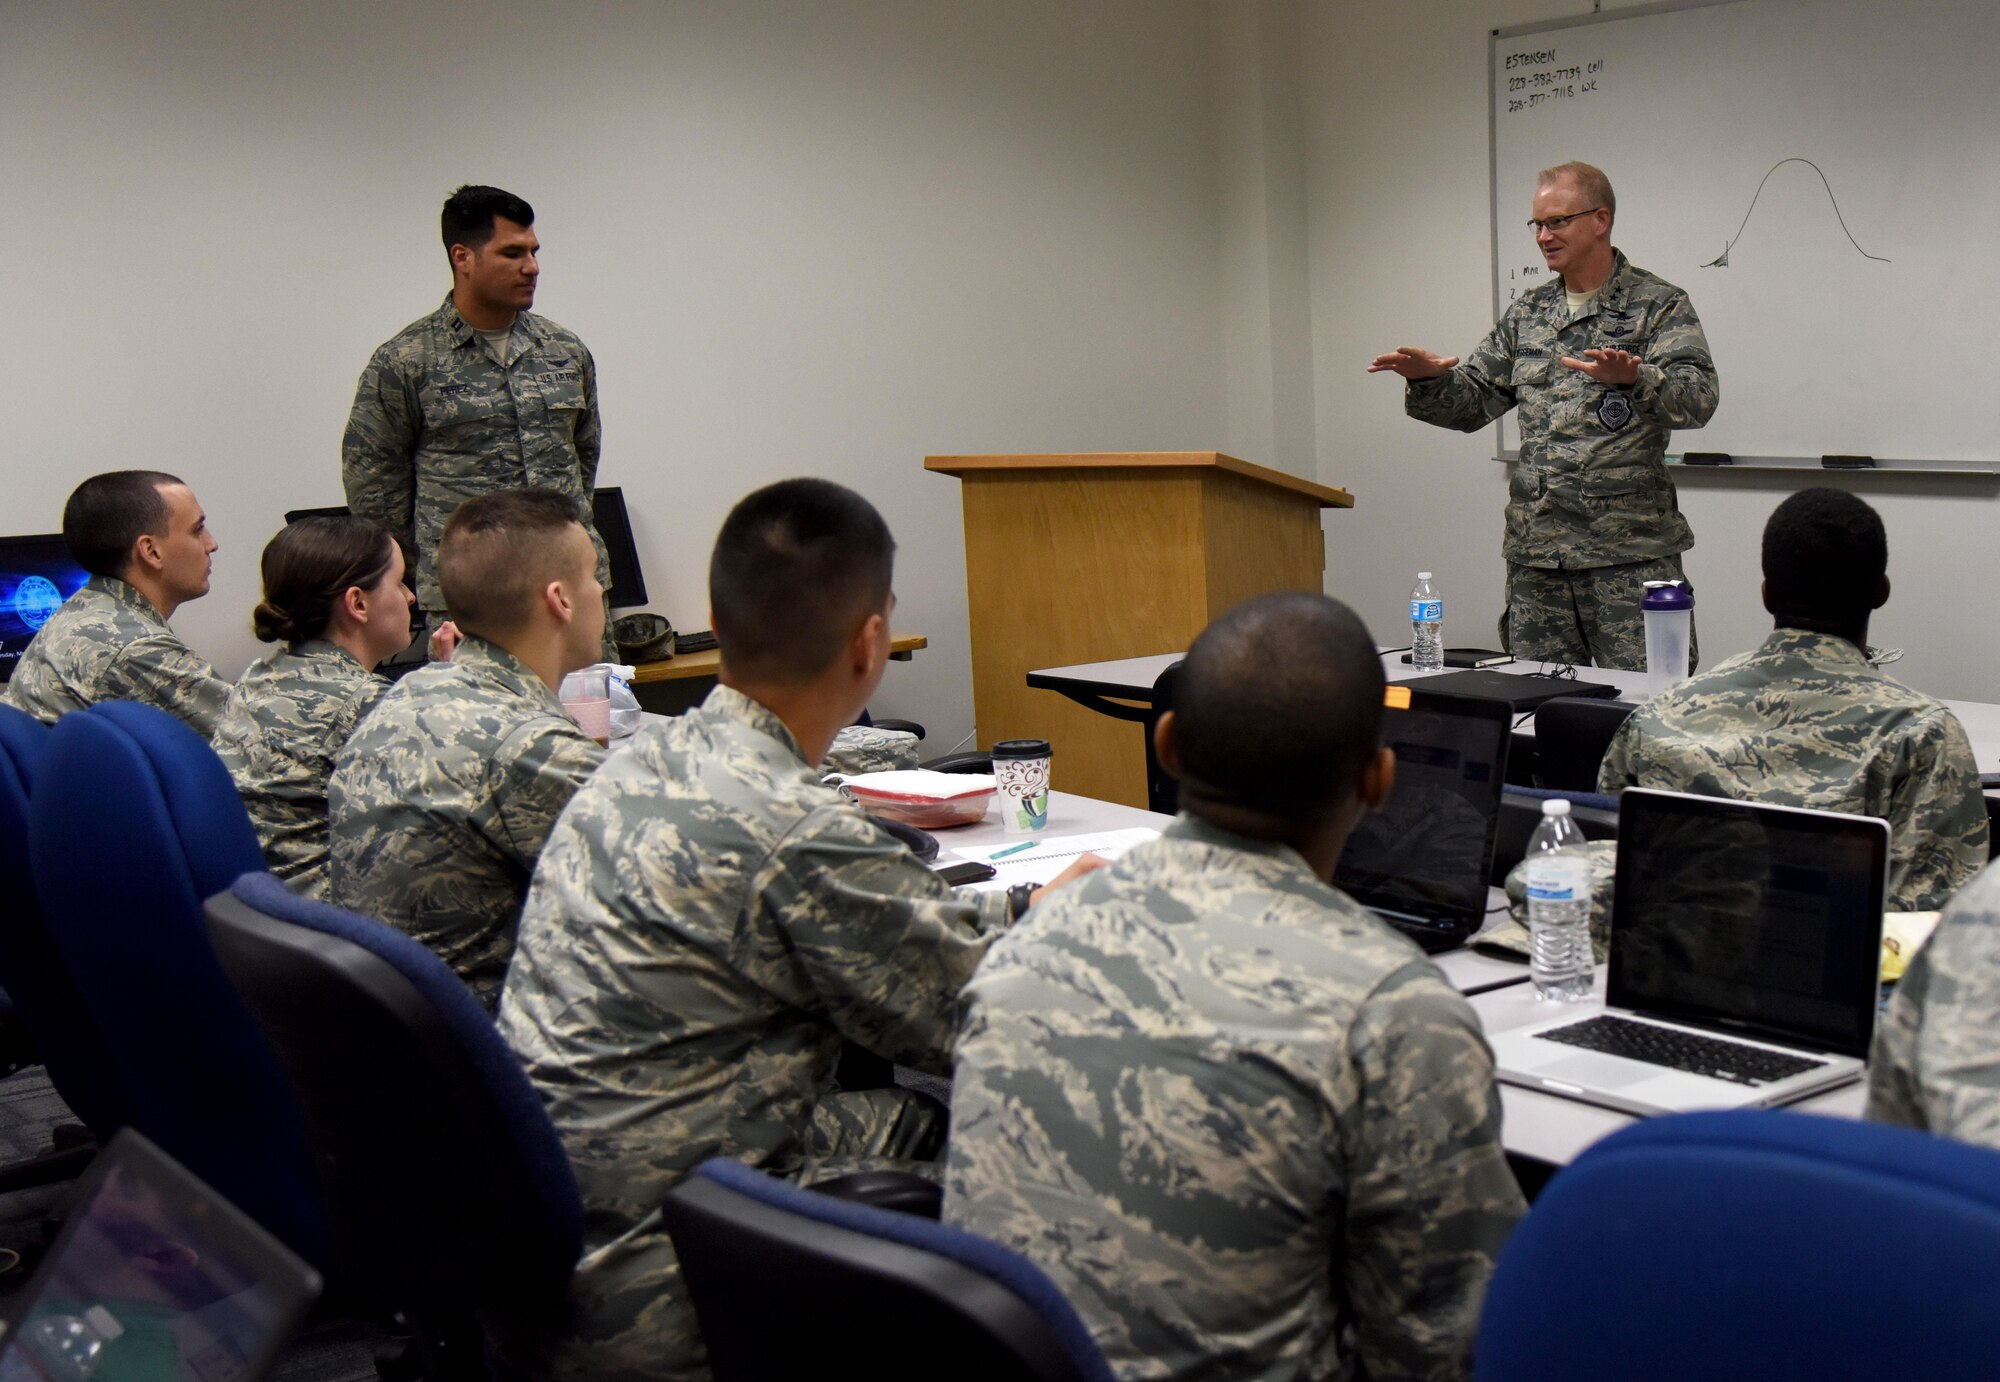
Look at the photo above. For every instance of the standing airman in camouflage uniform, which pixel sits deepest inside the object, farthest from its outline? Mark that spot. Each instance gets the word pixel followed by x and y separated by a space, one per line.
pixel 481 395
pixel 1936 1062
pixel 441 800
pixel 334 596
pixel 708 924
pixel 144 540
pixel 1602 362
pixel 1807 720
pixel 1248 1129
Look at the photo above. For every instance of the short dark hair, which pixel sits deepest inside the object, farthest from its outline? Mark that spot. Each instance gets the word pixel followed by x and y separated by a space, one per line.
pixel 498 552
pixel 1278 708
pixel 1825 553
pixel 309 566
pixel 797 567
pixel 468 214
pixel 107 513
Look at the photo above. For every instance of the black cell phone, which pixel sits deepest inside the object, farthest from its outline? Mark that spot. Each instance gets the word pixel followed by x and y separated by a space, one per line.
pixel 971 871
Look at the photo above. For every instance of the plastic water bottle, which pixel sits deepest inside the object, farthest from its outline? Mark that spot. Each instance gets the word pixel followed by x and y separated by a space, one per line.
pixel 1559 958
pixel 1426 625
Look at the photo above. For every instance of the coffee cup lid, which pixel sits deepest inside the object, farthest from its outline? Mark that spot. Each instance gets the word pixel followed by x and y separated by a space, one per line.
pixel 1022 748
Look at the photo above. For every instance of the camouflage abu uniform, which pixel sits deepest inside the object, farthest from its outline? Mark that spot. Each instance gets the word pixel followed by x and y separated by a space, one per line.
pixel 1248 1130
pixel 1590 489
pixel 108 643
pixel 437 422
pixel 288 716
pixel 1936 1062
pixel 707 924
pixel 441 799
pixel 1805 720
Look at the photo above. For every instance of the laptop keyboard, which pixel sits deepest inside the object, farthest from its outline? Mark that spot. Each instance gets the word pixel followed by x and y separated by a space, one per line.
pixel 1678 1050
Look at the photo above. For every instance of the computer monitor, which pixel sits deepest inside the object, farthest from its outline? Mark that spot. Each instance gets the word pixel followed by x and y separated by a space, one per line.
pixel 628 582
pixel 607 515
pixel 37 574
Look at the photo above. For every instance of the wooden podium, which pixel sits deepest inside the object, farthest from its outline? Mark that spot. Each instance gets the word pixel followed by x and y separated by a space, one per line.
pixel 1085 558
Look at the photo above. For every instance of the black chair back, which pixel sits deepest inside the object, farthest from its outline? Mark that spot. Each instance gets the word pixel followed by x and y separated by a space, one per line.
pixel 447 1187
pixel 855 1303
pixel 1571 735
pixel 1163 794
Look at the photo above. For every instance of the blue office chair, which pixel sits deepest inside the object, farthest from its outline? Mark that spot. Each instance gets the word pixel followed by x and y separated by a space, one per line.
pixel 133 822
pixel 789 1283
pixel 1753 1245
pixel 49 1012
pixel 448 1188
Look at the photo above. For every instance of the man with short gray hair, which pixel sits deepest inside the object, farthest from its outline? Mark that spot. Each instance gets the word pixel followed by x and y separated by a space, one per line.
pixel 1602 361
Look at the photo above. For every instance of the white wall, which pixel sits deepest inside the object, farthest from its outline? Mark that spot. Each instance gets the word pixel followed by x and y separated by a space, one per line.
pixel 1398 191
pixel 816 236
pixel 801 236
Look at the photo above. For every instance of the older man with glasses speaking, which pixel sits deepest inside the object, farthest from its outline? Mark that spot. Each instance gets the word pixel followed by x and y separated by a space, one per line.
pixel 1603 361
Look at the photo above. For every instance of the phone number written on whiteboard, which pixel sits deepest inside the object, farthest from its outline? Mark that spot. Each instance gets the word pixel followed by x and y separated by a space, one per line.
pixel 1534 79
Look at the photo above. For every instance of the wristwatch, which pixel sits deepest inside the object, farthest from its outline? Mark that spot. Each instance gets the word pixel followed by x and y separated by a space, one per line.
pixel 1018 899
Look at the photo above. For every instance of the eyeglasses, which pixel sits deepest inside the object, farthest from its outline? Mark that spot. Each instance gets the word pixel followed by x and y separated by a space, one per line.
pixel 1558 222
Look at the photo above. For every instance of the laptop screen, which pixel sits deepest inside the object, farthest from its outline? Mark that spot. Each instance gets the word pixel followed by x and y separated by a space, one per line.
pixel 1429 849
pixel 154 1277
pixel 1760 919
pixel 36 575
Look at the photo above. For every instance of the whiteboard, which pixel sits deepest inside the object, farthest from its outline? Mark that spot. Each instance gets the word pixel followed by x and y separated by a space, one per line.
pixel 1819 348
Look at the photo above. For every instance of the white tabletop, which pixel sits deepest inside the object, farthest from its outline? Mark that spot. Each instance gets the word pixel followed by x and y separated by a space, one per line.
pixel 1553 1129
pixel 1136 675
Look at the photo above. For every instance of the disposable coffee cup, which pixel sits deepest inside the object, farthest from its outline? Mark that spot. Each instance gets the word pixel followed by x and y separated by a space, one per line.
pixel 1021 780
pixel 1668 611
pixel 586 695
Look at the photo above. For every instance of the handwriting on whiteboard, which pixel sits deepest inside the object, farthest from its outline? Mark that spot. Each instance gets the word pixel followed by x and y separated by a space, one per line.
pixel 1539 78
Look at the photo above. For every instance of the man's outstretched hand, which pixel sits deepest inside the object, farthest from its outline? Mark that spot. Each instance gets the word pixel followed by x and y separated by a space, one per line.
pixel 1607 366
pixel 1413 362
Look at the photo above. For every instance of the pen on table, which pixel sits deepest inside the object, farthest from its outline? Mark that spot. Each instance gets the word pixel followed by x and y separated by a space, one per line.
pixel 1012 849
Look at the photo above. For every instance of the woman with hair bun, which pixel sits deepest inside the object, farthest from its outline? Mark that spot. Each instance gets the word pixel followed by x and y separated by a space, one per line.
pixel 334 597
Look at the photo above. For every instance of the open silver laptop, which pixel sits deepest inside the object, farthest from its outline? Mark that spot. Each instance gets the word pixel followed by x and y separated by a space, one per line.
pixel 154 1276
pixel 1745 949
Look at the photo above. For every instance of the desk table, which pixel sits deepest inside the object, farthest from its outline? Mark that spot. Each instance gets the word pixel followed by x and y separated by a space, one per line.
pixel 679 683
pixel 1124 687
pixel 709 661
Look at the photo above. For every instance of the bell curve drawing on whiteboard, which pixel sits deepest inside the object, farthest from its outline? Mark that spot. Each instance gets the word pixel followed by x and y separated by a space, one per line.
pixel 1822 177
pixel 1721 261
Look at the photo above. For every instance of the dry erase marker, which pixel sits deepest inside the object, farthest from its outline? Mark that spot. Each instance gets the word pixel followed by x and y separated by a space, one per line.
pixel 1013 849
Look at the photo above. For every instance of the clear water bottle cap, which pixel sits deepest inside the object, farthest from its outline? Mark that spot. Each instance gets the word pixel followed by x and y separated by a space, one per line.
pixel 1423 575
pixel 1555 806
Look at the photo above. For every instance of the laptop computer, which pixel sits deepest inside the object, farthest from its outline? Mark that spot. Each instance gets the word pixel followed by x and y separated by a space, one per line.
pixel 1521 690
pixel 1745 952
pixel 1421 862
pixel 154 1275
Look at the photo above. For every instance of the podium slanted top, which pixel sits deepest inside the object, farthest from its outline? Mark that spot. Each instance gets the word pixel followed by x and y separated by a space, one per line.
pixel 1326 496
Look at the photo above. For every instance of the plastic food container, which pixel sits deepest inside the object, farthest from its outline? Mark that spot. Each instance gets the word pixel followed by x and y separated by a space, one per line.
pixel 924 810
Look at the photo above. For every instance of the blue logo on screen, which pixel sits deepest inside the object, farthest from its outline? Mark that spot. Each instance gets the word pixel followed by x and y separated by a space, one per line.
pixel 35 599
